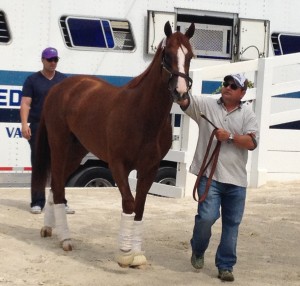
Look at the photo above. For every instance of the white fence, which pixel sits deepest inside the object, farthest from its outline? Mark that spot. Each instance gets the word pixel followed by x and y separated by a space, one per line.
pixel 278 154
pixel 277 157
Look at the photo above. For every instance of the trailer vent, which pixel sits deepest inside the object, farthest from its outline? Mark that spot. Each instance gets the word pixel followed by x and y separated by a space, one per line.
pixel 95 33
pixel 4 31
pixel 210 41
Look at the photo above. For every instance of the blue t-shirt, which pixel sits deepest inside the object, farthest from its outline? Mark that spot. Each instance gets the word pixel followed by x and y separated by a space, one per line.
pixel 37 86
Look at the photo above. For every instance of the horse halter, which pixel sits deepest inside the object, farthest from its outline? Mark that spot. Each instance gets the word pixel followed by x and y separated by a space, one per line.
pixel 172 73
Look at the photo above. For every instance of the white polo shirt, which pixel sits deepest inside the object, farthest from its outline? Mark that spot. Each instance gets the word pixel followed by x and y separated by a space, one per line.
pixel 231 166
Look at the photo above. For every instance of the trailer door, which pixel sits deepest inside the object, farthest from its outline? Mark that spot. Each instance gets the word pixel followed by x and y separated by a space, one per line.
pixel 253 39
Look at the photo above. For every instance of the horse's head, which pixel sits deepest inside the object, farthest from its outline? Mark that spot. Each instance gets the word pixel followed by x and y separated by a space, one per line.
pixel 177 55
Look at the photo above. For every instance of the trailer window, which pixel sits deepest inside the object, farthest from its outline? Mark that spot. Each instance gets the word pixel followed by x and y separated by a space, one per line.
pixel 4 31
pixel 284 43
pixel 96 33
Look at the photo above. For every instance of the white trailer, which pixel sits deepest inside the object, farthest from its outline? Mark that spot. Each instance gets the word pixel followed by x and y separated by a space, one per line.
pixel 116 40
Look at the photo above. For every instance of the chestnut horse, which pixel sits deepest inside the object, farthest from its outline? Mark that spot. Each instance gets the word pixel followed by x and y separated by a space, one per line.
pixel 128 127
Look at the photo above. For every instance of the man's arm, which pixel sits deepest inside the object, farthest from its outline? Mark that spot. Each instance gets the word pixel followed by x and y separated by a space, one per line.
pixel 24 113
pixel 246 141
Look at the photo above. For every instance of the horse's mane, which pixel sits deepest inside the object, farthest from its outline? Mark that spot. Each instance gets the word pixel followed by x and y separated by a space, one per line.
pixel 135 81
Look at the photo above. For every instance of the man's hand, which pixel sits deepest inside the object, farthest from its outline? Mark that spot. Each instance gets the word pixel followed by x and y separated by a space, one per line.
pixel 246 141
pixel 26 131
pixel 222 134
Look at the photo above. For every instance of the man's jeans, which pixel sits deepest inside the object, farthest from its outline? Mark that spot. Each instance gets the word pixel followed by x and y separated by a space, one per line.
pixel 37 196
pixel 231 199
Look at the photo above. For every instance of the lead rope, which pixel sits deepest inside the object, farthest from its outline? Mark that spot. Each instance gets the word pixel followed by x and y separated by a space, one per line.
pixel 213 158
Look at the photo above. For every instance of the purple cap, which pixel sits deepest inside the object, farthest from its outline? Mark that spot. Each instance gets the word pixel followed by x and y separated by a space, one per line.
pixel 49 53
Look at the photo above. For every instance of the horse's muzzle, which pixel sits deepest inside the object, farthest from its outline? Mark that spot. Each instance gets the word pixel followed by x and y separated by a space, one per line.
pixel 177 96
pixel 179 90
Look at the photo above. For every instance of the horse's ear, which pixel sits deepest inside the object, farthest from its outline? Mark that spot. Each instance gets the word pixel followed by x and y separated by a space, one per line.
pixel 190 31
pixel 168 29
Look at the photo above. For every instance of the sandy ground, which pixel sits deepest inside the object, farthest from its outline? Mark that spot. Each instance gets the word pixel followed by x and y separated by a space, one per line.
pixel 268 246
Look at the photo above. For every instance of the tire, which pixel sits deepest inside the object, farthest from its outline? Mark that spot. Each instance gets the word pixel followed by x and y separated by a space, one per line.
pixel 92 177
pixel 166 175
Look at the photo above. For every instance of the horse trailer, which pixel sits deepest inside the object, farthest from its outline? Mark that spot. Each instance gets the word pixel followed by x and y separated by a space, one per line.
pixel 116 40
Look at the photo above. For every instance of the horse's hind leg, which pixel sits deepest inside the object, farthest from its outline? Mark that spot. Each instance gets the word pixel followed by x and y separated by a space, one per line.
pixel 49 219
pixel 63 165
pixel 55 214
pixel 55 217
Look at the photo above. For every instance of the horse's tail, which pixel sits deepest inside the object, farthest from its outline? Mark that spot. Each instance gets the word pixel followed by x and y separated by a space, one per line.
pixel 42 162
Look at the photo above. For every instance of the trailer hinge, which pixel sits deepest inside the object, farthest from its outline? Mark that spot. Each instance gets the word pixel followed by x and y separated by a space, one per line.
pixel 236 30
pixel 235 49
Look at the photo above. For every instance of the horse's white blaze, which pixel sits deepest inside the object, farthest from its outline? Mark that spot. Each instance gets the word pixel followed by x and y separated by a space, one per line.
pixel 181 83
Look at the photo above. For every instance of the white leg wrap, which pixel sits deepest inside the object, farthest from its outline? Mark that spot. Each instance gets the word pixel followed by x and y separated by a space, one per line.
pixel 126 231
pixel 61 223
pixel 49 218
pixel 125 255
pixel 137 236
pixel 139 257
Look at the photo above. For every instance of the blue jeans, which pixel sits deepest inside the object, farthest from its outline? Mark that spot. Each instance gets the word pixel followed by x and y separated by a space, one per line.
pixel 231 200
pixel 37 196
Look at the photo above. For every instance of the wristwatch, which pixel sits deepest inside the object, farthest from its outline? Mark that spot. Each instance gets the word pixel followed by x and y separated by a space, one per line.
pixel 230 138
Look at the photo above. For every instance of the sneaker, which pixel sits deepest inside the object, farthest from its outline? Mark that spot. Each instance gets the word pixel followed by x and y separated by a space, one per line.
pixel 36 210
pixel 197 261
pixel 69 210
pixel 225 275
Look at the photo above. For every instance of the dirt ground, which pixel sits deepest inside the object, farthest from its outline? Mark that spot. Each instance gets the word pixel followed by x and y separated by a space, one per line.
pixel 268 245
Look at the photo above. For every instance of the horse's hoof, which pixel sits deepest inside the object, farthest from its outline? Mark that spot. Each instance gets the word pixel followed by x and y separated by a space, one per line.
pixel 67 245
pixel 139 261
pixel 125 259
pixel 46 231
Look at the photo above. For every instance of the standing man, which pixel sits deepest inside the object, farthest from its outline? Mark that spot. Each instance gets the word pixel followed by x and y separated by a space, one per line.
pixel 238 133
pixel 34 91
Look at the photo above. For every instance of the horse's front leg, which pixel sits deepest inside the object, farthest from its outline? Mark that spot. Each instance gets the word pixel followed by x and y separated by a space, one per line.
pixel 124 256
pixel 144 183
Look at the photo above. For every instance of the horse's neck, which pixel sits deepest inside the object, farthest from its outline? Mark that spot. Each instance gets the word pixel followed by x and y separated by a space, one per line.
pixel 154 87
pixel 156 100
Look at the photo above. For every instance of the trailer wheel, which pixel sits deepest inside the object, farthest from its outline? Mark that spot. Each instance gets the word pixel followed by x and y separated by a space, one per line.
pixel 92 177
pixel 166 175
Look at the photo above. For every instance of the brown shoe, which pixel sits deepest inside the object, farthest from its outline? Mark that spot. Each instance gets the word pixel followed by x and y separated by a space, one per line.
pixel 226 275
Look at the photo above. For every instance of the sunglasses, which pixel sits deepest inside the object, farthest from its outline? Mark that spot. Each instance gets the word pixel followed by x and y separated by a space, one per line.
pixel 233 86
pixel 54 59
